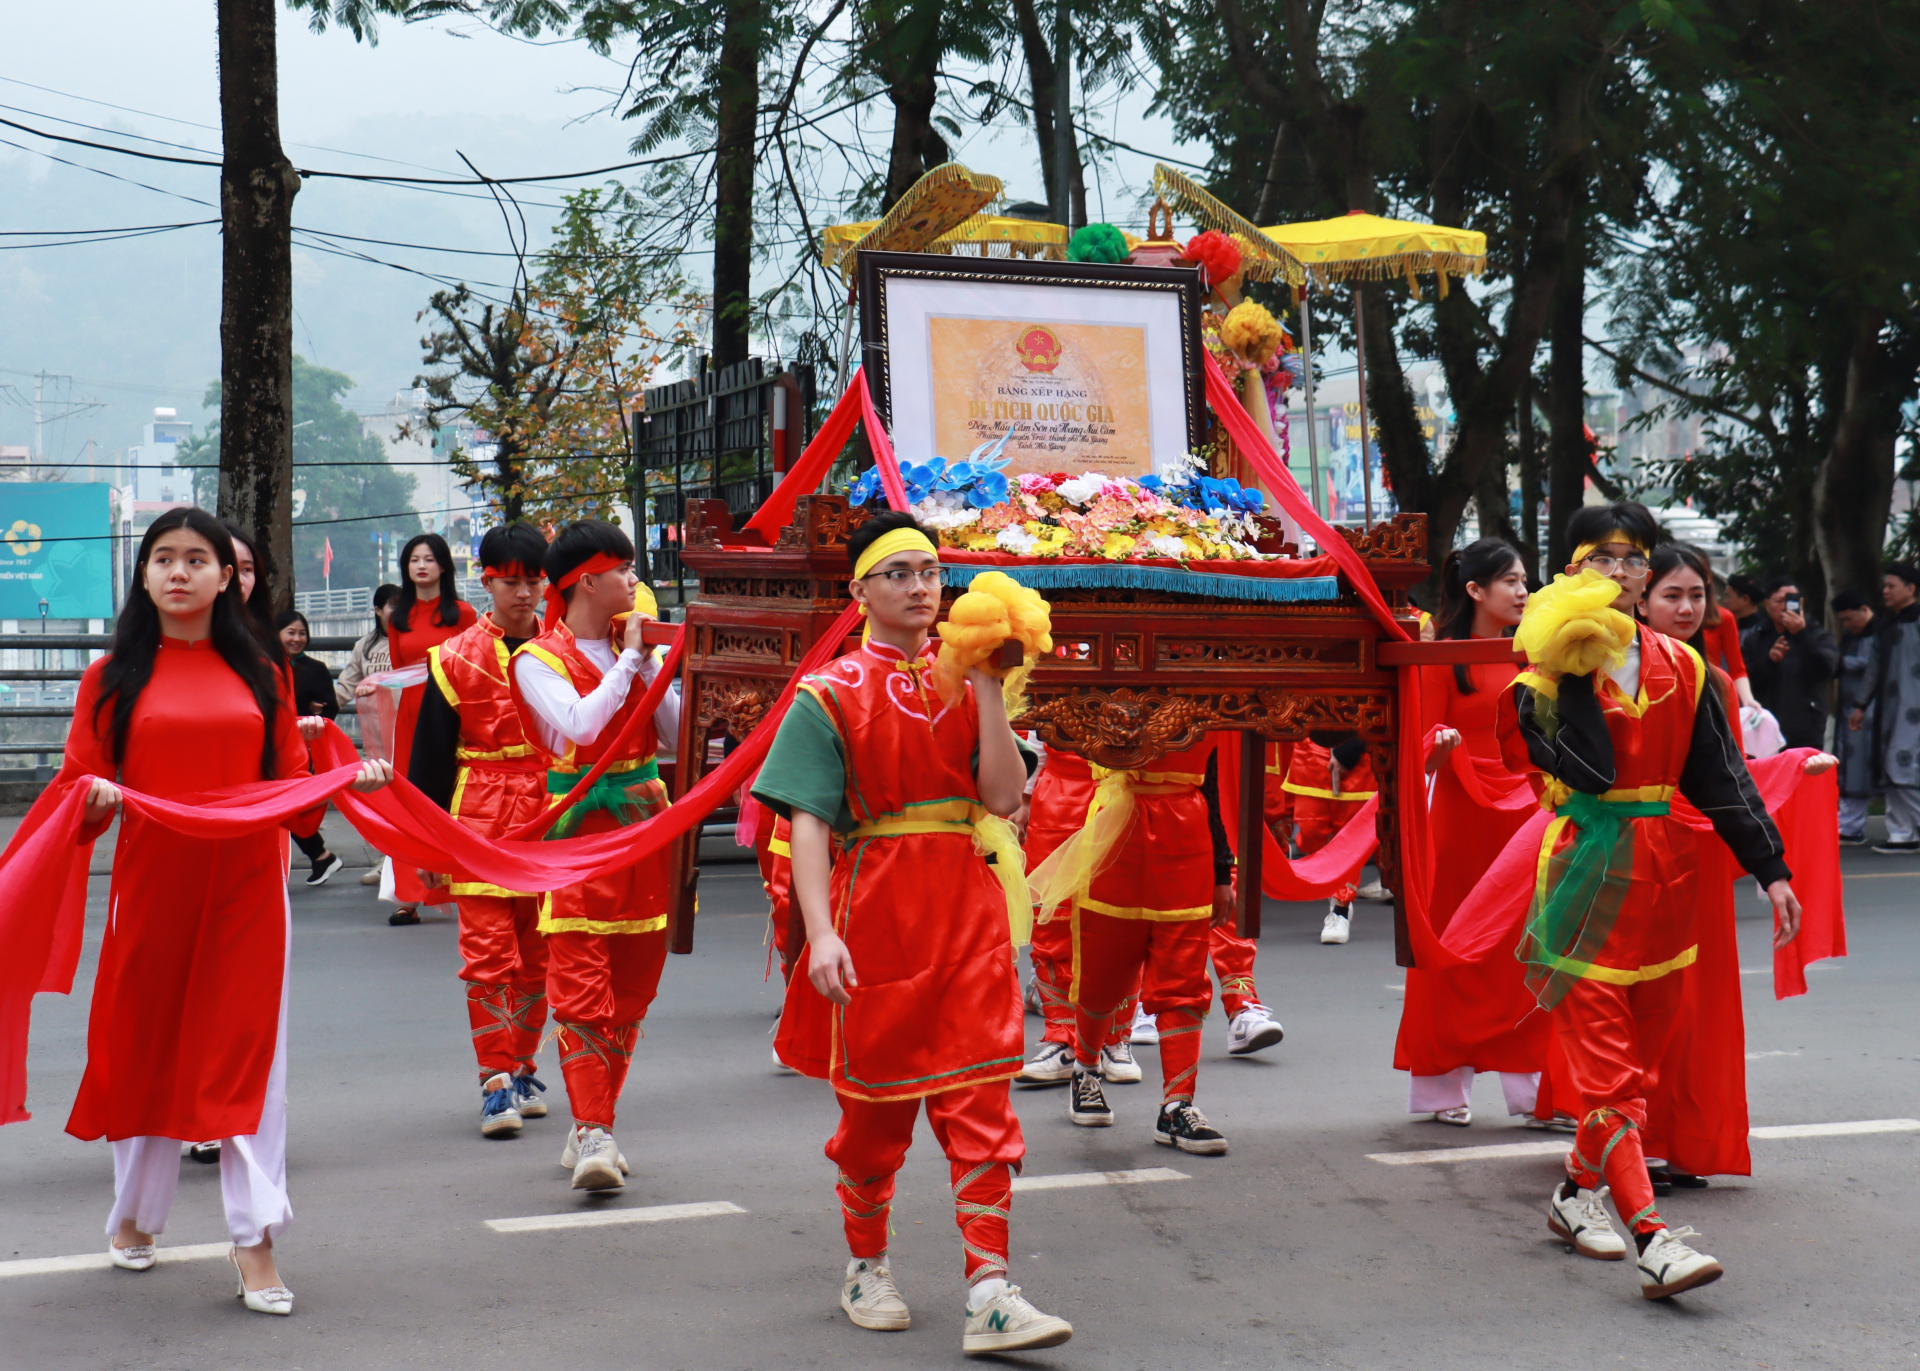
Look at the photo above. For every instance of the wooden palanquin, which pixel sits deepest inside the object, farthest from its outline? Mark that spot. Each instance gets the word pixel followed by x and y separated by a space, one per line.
pixel 1137 674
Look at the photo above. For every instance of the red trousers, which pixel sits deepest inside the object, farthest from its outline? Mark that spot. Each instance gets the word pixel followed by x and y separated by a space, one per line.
pixel 1167 959
pixel 1052 953
pixel 599 986
pixel 504 963
pixel 1233 964
pixel 1612 1038
pixel 980 1135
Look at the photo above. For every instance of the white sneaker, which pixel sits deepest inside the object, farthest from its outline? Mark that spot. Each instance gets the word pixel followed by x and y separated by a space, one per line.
pixel 1669 1266
pixel 1375 892
pixel 1117 1064
pixel 1459 1116
pixel 1253 1028
pixel 1031 997
pixel 498 1116
pixel 1050 1064
pixel 570 1151
pixel 870 1297
pixel 1146 1030
pixel 597 1166
pixel 1581 1219
pixel 1007 1323
pixel 1339 923
pixel 781 1066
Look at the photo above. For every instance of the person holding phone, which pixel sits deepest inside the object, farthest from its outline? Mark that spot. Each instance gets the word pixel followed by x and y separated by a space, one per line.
pixel 1790 658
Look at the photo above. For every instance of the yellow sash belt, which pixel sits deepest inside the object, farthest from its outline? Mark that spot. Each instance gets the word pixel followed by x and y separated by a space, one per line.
pixel 1068 874
pixel 992 836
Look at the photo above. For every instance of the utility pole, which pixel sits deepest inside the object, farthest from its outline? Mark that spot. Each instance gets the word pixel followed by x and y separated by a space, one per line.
pixel 257 186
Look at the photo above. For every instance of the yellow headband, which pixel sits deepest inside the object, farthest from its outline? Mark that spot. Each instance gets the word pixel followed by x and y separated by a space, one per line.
pixel 890 542
pixel 1619 535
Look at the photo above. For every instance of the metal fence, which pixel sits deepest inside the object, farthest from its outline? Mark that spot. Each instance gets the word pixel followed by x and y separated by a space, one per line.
pixel 723 436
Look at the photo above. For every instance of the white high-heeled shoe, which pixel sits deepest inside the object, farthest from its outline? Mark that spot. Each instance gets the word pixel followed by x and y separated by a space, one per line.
pixel 140 1258
pixel 274 1299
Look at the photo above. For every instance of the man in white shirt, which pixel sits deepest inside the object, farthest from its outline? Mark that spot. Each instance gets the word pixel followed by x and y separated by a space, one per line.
pixel 607 937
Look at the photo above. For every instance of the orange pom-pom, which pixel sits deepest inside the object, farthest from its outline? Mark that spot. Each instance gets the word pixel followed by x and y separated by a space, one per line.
pixel 995 608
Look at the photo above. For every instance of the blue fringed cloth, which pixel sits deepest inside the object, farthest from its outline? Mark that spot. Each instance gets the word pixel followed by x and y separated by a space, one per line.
pixel 1281 582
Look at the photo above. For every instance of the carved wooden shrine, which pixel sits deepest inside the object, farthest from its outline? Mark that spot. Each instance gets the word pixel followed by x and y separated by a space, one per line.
pixel 1137 673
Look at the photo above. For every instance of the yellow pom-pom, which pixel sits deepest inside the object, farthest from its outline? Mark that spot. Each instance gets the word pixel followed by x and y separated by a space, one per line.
pixel 995 608
pixel 1571 628
pixel 1252 332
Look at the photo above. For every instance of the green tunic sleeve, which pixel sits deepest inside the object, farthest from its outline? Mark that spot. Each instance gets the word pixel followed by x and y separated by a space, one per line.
pixel 806 768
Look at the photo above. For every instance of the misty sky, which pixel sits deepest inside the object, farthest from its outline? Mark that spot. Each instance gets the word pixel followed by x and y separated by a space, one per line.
pixel 135 322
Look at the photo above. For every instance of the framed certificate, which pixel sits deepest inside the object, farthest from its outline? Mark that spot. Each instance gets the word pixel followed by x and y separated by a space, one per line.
pixel 1093 367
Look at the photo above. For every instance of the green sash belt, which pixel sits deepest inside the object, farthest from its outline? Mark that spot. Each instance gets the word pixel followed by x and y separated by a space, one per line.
pixel 610 792
pixel 1580 892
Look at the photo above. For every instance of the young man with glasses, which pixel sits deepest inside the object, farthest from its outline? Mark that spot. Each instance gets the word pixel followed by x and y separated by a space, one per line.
pixel 606 937
pixel 1610 931
pixel 907 990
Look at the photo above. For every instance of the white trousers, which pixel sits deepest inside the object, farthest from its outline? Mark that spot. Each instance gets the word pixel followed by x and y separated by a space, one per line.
pixel 1431 1094
pixel 253 1169
pixel 1903 813
pixel 1853 815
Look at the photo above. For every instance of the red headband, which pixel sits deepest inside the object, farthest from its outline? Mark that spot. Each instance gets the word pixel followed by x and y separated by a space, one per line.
pixel 600 561
pixel 511 569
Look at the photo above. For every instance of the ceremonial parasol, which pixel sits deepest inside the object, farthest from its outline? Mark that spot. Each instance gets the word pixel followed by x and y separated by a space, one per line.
pixel 1365 247
pixel 939 213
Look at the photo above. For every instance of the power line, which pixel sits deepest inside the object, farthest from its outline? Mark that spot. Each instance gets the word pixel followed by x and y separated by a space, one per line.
pixel 95 236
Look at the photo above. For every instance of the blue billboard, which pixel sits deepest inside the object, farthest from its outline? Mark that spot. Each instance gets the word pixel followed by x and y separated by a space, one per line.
pixel 55 545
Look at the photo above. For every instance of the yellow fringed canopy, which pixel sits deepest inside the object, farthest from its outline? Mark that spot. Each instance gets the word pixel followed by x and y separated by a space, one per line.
pixel 942 213
pixel 1261 257
pixel 1367 247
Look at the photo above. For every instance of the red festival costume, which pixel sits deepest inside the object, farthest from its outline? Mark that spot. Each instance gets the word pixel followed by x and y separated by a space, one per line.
pixel 935 1015
pixel 1468 1019
pixel 406 647
pixel 1320 812
pixel 498 783
pixel 1144 919
pixel 1611 932
pixel 606 938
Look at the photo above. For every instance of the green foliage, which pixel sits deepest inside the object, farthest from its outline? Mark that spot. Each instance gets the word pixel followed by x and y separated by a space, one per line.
pixel 340 472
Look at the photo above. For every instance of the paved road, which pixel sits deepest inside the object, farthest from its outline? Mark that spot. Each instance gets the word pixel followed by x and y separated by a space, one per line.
pixel 1295 1250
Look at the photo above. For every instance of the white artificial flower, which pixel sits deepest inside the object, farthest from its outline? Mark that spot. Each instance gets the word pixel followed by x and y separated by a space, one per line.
pixel 1083 489
pixel 1016 540
pixel 1166 545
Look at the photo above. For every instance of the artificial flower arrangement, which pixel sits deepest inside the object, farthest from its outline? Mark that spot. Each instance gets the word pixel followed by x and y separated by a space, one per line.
pixel 1185 516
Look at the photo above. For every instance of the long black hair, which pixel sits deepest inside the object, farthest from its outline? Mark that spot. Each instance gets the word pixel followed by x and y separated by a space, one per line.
pixel 136 639
pixel 1668 558
pixel 260 603
pixel 383 593
pixel 1478 563
pixel 447 607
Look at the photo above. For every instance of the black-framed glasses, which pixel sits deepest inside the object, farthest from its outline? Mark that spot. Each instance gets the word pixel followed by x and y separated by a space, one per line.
pixel 900 576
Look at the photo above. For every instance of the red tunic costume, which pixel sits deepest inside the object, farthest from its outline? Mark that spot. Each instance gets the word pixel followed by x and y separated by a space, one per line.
pixel 1319 812
pixel 186 1004
pixel 1612 927
pixel 499 785
pixel 1478 1017
pixel 1144 920
pixel 776 877
pixel 935 1013
pixel 607 937
pixel 1061 794
pixel 406 647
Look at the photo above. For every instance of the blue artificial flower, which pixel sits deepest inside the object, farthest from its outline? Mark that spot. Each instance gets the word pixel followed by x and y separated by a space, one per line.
pixel 865 490
pixel 1148 482
pixel 990 489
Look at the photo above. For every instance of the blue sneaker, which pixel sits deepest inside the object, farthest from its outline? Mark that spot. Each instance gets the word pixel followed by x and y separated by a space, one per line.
pixel 527 1091
pixel 498 1117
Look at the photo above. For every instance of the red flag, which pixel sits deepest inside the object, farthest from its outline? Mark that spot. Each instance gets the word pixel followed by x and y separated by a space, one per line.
pixel 326 559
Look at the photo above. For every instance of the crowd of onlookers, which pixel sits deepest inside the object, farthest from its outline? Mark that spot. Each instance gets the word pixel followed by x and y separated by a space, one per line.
pixel 1873 671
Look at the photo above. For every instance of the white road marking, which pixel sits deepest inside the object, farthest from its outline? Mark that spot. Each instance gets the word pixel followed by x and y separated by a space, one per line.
pixel 1756 971
pixel 1756 1056
pixel 599 1218
pixel 1073 1180
pixel 99 1261
pixel 1498 1151
pixel 1837 1130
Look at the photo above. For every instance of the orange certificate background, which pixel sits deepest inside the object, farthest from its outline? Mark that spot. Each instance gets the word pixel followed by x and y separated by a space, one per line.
pixel 1088 413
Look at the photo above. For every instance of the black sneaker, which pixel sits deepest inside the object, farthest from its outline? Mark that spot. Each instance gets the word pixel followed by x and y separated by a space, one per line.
pixel 1087 1102
pixel 1897 849
pixel 403 917
pixel 323 869
pixel 1185 1127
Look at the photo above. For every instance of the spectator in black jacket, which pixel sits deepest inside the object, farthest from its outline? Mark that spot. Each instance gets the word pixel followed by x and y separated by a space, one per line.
pixel 312 694
pixel 1790 659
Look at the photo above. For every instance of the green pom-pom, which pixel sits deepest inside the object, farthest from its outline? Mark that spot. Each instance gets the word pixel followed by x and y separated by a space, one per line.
pixel 1098 243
